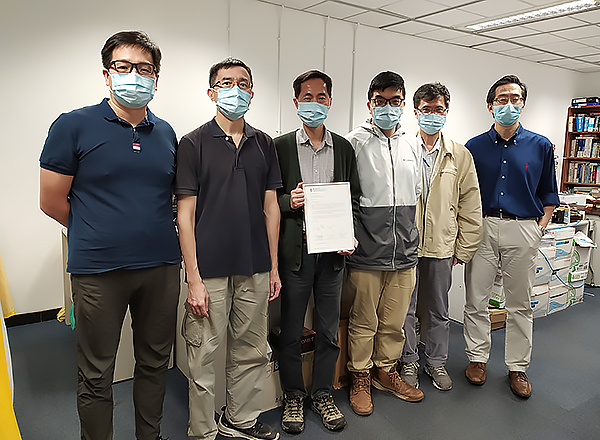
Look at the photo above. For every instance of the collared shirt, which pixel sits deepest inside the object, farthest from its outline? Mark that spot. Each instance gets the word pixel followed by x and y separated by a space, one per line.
pixel 429 158
pixel 230 185
pixel 517 175
pixel 121 212
pixel 316 166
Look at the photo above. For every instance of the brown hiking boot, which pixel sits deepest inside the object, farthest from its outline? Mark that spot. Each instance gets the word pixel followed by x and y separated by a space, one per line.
pixel 390 381
pixel 360 393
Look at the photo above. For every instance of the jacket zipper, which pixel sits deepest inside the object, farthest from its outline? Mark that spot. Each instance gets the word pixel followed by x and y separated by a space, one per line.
pixel 394 206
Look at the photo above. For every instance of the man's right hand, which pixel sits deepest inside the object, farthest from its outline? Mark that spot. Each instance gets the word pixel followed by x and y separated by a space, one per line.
pixel 297 196
pixel 198 298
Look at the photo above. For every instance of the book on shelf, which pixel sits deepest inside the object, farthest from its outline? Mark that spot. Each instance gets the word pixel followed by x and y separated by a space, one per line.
pixel 587 100
pixel 584 123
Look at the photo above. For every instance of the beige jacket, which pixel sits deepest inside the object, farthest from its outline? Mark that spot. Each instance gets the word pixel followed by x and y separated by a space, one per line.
pixel 451 222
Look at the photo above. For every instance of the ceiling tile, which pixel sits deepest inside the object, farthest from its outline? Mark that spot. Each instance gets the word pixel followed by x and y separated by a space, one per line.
pixel 454 17
pixel 569 63
pixel 442 34
pixel 496 8
pixel 470 40
pixel 412 28
pixel 537 3
pixel 592 58
pixel 497 46
pixel 375 19
pixel 337 10
pixel 532 40
pixel 592 41
pixel 541 56
pixel 521 52
pixel 554 24
pixel 299 4
pixel 412 9
pixel 579 32
pixel 373 4
pixel 569 48
pixel 510 32
pixel 453 2
pixel 590 16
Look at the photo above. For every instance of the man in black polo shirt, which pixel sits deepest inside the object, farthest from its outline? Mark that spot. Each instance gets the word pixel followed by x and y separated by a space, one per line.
pixel 228 218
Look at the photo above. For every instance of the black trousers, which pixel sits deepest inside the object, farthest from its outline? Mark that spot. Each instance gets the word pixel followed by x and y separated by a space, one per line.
pixel 101 301
pixel 316 275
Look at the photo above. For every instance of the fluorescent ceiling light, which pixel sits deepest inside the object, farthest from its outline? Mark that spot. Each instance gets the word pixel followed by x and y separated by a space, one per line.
pixel 540 14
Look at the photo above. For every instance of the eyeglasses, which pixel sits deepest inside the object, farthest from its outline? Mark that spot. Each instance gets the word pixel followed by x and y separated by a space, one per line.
pixel 380 101
pixel 229 83
pixel 144 69
pixel 437 110
pixel 503 100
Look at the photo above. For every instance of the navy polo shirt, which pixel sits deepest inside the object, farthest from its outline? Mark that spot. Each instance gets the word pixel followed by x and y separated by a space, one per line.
pixel 516 176
pixel 121 214
pixel 230 185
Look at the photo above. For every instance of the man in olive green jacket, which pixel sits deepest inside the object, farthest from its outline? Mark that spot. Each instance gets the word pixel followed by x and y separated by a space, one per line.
pixel 449 221
pixel 311 154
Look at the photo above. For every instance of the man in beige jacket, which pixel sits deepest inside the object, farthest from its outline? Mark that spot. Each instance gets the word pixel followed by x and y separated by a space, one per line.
pixel 449 221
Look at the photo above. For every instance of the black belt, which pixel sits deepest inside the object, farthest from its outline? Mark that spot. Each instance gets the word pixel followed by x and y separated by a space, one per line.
pixel 507 216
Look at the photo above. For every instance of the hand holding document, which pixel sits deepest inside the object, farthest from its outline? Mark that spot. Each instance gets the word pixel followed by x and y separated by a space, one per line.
pixel 328 217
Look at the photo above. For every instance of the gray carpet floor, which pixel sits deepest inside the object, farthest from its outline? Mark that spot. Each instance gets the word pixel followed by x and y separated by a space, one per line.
pixel 565 404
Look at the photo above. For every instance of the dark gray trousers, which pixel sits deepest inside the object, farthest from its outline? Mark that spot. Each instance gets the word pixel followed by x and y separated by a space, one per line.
pixel 101 301
pixel 429 302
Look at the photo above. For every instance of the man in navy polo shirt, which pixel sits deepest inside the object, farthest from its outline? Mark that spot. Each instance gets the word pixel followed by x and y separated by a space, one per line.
pixel 107 173
pixel 228 218
pixel 516 175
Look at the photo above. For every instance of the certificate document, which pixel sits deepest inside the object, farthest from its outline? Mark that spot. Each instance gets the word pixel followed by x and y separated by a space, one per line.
pixel 328 217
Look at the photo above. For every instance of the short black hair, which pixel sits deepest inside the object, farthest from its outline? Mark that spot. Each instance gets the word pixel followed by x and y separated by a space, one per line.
pixel 131 38
pixel 312 74
pixel 506 79
pixel 429 92
pixel 227 63
pixel 385 80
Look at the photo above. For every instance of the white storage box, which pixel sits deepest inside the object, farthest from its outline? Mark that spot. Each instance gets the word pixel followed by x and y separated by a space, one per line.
pixel 577 278
pixel 561 277
pixel 543 263
pixel 575 295
pixel 557 299
pixel 564 242
pixel 539 300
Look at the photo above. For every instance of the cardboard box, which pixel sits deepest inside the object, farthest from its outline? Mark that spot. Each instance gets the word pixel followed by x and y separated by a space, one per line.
pixel 539 300
pixel 557 300
pixel 577 278
pixel 580 260
pixel 342 376
pixel 543 265
pixel 575 295
pixel 561 275
pixel 497 318
pixel 564 242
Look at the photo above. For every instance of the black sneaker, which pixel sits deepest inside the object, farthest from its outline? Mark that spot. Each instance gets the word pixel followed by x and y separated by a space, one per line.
pixel 331 416
pixel 292 419
pixel 260 431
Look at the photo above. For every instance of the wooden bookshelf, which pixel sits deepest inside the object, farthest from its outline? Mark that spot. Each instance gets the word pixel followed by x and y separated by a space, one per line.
pixel 582 170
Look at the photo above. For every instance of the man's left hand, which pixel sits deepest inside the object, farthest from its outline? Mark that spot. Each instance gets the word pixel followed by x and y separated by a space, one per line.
pixel 349 251
pixel 456 261
pixel 274 284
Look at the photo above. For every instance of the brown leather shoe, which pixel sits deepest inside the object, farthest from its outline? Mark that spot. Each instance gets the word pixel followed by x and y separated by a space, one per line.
pixel 360 393
pixel 475 373
pixel 519 384
pixel 390 381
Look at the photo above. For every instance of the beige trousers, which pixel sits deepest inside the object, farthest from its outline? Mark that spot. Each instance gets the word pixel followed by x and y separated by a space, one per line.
pixel 511 245
pixel 381 300
pixel 237 309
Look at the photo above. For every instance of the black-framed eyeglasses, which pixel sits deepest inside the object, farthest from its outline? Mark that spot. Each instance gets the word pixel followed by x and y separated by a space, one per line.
pixel 229 83
pixel 144 69
pixel 437 110
pixel 513 99
pixel 379 101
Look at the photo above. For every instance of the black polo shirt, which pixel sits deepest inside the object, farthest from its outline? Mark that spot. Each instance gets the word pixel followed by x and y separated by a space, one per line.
pixel 230 185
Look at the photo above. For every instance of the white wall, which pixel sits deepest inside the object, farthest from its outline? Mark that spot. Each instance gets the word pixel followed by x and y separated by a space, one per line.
pixel 52 64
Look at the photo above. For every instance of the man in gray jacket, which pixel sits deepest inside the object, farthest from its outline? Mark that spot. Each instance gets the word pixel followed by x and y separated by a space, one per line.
pixel 381 272
pixel 449 221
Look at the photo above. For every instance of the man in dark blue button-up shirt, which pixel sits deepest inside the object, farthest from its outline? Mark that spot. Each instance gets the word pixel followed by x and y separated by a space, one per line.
pixel 516 175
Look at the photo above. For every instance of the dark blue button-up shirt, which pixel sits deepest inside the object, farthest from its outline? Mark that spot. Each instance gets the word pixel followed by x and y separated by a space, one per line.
pixel 516 176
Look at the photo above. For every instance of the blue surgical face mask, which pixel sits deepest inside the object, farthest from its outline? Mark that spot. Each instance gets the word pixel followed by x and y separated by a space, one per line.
pixel 386 117
pixel 132 90
pixel 431 123
pixel 233 102
pixel 312 114
pixel 507 114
